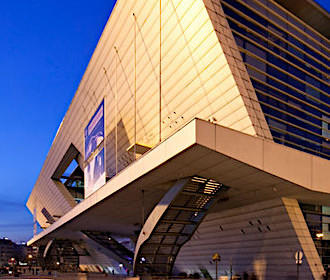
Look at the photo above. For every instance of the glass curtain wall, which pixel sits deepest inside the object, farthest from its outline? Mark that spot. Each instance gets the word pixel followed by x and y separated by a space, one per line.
pixel 288 64
pixel 317 218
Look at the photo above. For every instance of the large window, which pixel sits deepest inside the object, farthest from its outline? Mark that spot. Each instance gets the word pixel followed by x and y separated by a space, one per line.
pixel 70 175
pixel 317 218
pixel 288 70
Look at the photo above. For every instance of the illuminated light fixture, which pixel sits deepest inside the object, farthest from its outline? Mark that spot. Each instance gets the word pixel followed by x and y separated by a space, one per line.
pixel 319 235
pixel 121 265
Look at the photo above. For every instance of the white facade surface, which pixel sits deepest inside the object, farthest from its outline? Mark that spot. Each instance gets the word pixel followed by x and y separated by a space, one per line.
pixel 189 99
pixel 198 80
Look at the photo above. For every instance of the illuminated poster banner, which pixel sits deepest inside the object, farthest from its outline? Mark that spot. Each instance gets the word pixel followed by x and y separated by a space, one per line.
pixel 94 171
pixel 94 131
pixel 94 174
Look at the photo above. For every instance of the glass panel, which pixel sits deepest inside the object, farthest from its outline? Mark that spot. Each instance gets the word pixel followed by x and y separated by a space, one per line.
pixel 300 125
pixel 318 219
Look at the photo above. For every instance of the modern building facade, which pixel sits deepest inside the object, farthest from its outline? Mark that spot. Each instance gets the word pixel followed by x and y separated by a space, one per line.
pixel 288 65
pixel 199 127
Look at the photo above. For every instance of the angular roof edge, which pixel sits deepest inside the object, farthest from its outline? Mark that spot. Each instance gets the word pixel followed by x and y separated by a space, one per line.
pixel 310 12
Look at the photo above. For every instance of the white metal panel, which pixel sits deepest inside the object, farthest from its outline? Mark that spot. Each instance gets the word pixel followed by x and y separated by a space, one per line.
pixel 196 80
pixel 257 238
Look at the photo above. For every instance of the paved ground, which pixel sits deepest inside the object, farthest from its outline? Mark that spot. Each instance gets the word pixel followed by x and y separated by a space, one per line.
pixel 69 276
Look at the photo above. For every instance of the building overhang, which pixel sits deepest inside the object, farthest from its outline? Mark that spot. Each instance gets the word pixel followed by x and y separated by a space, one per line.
pixel 311 13
pixel 253 168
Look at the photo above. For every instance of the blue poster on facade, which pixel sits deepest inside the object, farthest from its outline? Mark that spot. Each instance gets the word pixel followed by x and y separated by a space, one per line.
pixel 94 174
pixel 94 131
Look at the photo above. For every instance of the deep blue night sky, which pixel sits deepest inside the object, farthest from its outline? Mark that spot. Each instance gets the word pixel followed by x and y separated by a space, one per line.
pixel 325 4
pixel 45 48
pixel 44 51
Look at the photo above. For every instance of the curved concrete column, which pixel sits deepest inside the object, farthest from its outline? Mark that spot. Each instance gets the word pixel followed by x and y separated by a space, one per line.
pixel 156 215
pixel 49 244
pixel 172 223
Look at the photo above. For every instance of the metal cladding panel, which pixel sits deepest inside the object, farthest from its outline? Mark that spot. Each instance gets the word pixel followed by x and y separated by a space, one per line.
pixel 258 238
pixel 239 72
pixel 198 80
